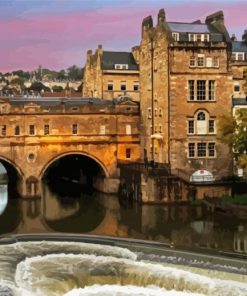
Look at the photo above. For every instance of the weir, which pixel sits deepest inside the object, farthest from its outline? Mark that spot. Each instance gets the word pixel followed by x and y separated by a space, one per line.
pixel 85 264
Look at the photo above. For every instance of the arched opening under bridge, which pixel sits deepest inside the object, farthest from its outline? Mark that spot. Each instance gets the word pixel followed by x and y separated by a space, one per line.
pixel 69 174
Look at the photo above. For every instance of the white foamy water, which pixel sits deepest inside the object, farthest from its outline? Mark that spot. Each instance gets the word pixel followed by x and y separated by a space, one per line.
pixel 56 274
pixel 116 290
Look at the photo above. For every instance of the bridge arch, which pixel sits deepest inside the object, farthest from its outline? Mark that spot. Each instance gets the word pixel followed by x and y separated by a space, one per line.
pixel 13 164
pixel 15 177
pixel 61 155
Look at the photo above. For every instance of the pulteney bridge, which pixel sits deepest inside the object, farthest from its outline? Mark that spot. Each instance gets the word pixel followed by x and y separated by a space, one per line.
pixel 36 132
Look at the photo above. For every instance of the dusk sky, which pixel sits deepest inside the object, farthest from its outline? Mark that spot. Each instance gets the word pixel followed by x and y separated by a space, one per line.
pixel 57 33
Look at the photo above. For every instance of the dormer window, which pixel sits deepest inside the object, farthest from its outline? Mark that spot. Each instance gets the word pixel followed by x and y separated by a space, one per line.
pixel 121 66
pixel 199 37
pixel 238 56
pixel 175 36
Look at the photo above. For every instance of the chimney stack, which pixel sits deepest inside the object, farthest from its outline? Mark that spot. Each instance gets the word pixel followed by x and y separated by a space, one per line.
pixel 244 36
pixel 234 38
pixel 161 17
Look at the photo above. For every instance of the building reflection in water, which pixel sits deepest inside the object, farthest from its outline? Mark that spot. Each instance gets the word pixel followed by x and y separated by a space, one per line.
pixel 73 212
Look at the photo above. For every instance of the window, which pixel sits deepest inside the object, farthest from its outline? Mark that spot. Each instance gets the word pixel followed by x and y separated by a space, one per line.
pixel 192 61
pixel 211 126
pixel 17 130
pixel 236 86
pixel 191 129
pixel 200 60
pixel 74 129
pixel 191 90
pixel 4 130
pixel 198 37
pixel 201 150
pixel 155 128
pixel 46 129
pixel 149 113
pixel 175 36
pixel 240 56
pixel 128 129
pixel 211 88
pixel 31 130
pixel 201 90
pixel 215 62
pixel 121 66
pixel 128 153
pixel 234 56
pixel 136 87
pixel 201 124
pixel 102 130
pixel 123 86
pixel 192 37
pixel 110 86
pixel 191 149
pixel 211 149
pixel 209 62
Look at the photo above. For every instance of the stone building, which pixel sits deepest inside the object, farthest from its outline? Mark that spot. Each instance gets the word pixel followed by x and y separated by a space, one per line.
pixel 185 86
pixel 109 74
pixel 35 132
pixel 239 66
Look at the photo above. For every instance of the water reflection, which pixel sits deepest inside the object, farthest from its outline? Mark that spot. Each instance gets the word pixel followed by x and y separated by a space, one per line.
pixel 178 225
pixel 3 197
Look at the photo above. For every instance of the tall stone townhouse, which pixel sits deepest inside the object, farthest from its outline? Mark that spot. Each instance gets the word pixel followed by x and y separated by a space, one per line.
pixel 109 74
pixel 187 75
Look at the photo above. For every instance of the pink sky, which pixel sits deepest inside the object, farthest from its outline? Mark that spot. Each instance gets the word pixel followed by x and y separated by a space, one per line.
pixel 59 40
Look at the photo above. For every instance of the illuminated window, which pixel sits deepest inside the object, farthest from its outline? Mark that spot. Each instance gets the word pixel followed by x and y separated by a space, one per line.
pixel 128 129
pixel 102 130
pixel 175 36
pixel 128 153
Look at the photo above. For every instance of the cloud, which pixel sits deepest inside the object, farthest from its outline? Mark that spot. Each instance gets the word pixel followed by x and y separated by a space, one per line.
pixel 60 39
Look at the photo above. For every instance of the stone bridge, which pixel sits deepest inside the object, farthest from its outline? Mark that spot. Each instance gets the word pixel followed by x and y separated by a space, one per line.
pixel 36 132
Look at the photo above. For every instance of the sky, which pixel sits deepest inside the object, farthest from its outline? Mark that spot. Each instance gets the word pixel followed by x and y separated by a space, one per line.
pixel 57 33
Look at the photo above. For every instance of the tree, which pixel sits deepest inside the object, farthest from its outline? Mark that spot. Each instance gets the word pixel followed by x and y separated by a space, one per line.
pixel 57 88
pixel 38 86
pixel 74 73
pixel 233 130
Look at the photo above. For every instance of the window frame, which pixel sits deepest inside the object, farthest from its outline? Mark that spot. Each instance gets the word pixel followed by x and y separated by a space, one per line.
pixel 74 129
pixel 128 153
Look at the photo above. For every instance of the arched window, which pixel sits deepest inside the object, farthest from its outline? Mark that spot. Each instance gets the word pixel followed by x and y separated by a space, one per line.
pixel 201 116
pixel 201 123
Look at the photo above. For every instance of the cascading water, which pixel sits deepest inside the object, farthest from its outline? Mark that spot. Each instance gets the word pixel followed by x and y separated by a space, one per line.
pixel 77 269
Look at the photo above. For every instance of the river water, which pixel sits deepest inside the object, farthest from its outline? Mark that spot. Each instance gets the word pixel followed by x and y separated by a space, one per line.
pixel 73 268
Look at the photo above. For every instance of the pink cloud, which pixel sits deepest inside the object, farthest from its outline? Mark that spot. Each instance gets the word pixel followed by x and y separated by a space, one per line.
pixel 58 41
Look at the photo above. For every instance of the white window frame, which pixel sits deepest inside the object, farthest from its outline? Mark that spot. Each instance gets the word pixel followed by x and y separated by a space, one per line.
pixel 201 56
pixel 121 66
pixel 193 60
pixel 128 129
pixel 175 36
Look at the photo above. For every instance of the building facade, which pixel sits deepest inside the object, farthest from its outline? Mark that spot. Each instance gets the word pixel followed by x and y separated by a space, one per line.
pixel 185 87
pixel 108 75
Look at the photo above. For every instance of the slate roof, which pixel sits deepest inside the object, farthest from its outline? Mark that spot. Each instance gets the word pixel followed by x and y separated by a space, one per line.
pixel 185 28
pixel 58 101
pixel 239 46
pixel 110 58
